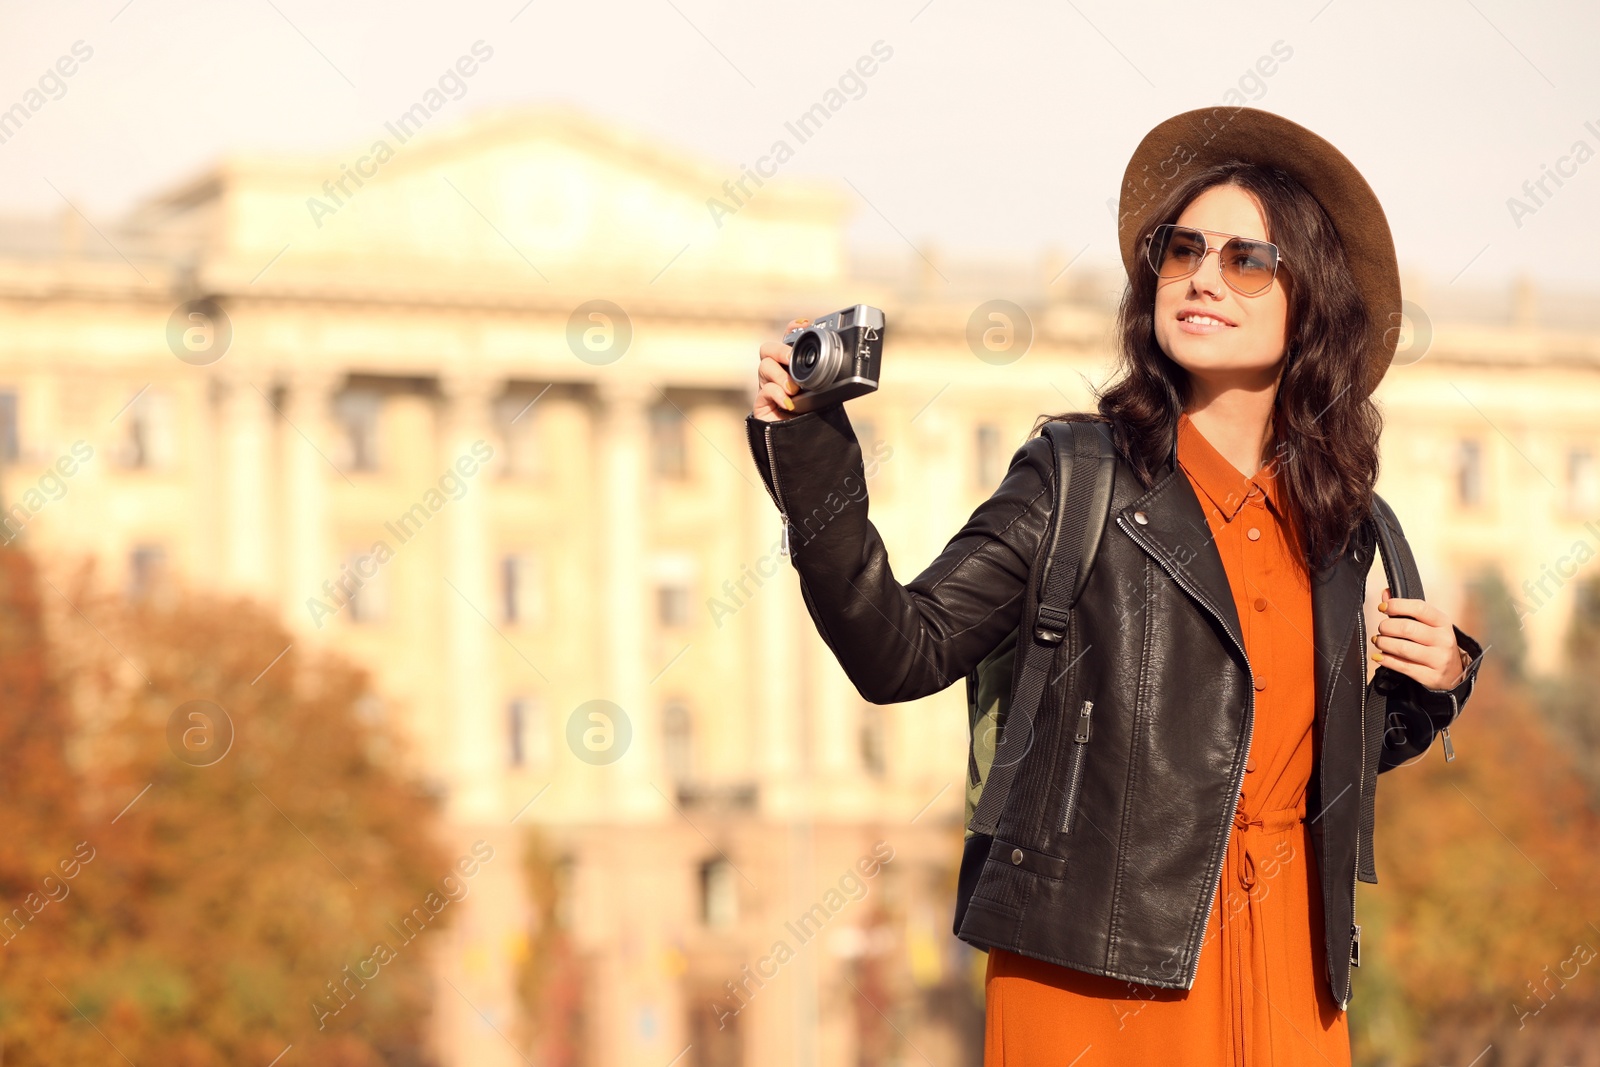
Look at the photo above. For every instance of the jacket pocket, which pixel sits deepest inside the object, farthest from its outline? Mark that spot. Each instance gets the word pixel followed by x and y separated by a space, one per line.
pixel 1080 744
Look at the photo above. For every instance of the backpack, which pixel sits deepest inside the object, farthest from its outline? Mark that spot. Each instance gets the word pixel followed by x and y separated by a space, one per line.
pixel 1085 463
pixel 1003 696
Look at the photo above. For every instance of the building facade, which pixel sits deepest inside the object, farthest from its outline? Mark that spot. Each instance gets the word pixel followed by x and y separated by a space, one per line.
pixel 473 416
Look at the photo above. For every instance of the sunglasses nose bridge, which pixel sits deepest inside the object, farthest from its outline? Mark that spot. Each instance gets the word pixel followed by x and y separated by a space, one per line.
pixel 1215 278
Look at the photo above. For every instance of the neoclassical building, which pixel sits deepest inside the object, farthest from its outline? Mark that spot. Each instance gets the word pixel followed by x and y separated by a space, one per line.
pixel 473 417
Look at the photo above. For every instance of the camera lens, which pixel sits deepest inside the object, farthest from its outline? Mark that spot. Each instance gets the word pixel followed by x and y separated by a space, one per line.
pixel 816 358
pixel 806 350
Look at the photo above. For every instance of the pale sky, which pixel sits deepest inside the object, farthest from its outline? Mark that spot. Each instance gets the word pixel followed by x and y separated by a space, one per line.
pixel 1001 127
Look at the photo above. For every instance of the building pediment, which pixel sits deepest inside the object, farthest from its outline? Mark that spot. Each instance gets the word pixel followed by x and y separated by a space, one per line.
pixel 545 197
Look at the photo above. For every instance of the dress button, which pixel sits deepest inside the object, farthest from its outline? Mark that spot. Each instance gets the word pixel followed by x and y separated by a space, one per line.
pixel 1139 517
pixel 1016 855
pixel 1250 766
pixel 1253 533
pixel 1261 603
pixel 1261 683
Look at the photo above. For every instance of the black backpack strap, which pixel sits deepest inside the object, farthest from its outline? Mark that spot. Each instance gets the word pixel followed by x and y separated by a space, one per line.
pixel 1085 467
pixel 1399 566
pixel 1404 580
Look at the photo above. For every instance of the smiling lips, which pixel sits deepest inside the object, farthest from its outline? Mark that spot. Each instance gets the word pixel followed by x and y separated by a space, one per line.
pixel 1193 320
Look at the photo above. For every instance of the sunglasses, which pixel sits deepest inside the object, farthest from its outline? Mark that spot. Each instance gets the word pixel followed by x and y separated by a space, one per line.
pixel 1247 265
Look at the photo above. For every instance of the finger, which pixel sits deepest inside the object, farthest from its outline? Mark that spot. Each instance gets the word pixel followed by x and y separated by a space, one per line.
pixel 1413 630
pixel 1423 672
pixel 1407 649
pixel 1413 607
pixel 1399 664
pixel 1425 666
pixel 775 350
pixel 795 324
pixel 777 398
pixel 771 370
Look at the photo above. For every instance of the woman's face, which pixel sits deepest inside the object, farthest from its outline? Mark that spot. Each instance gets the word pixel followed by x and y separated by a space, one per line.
pixel 1243 343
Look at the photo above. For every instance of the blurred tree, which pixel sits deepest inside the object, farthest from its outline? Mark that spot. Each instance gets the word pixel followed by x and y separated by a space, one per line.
pixel 956 999
pixel 550 979
pixel 873 991
pixel 1569 698
pixel 42 853
pixel 1501 626
pixel 1479 931
pixel 251 852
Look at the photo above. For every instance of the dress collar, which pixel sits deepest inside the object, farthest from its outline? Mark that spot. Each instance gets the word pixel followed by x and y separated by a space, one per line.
pixel 1218 479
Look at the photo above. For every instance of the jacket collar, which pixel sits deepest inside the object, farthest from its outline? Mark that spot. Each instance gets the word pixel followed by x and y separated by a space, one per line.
pixel 1174 531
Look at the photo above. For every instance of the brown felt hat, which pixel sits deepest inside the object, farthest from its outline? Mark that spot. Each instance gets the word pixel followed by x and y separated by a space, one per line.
pixel 1194 140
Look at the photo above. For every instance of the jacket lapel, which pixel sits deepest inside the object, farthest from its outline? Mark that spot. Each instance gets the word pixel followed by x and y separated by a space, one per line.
pixel 1168 523
pixel 1176 533
pixel 1336 595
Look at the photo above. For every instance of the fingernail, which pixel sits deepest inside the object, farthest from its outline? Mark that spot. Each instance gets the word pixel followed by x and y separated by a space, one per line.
pixel 788 403
pixel 1377 655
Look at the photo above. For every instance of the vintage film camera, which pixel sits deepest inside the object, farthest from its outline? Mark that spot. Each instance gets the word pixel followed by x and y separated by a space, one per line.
pixel 836 357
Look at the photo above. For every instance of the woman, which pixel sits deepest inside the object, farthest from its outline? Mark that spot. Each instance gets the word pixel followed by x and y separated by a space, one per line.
pixel 1187 899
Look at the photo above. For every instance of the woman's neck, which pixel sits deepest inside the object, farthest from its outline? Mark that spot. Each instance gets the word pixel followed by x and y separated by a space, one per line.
pixel 1237 424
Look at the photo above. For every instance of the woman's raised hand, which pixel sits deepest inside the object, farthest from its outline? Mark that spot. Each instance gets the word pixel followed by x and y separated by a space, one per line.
pixel 775 386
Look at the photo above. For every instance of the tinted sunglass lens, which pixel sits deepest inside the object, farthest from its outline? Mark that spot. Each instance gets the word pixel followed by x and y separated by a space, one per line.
pixel 1176 251
pixel 1249 266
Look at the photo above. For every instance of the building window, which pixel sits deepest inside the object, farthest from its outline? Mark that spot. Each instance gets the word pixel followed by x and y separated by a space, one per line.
pixel 147 570
pixel 669 441
pixel 363 581
pixel 525 732
pixel 1469 473
pixel 672 605
pixel 521 597
pixel 517 416
pixel 990 461
pixel 357 412
pixel 677 741
pixel 1583 481
pixel 874 750
pixel 566 880
pixel 8 426
pixel 719 894
pixel 148 427
pixel 675 576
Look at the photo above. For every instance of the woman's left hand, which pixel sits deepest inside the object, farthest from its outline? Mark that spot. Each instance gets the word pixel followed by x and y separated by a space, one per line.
pixel 1419 641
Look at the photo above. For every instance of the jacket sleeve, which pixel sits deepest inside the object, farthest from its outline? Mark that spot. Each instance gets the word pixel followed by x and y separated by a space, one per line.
pixel 1415 713
pixel 899 642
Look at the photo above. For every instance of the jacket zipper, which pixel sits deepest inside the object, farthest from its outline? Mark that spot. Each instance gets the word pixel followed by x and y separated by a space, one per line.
pixel 772 465
pixel 1080 737
pixel 1250 720
pixel 1361 784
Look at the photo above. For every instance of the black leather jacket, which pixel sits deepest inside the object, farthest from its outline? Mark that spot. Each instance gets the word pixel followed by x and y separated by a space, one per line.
pixel 1154 637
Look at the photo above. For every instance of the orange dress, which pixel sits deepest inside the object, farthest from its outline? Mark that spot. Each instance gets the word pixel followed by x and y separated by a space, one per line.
pixel 1260 995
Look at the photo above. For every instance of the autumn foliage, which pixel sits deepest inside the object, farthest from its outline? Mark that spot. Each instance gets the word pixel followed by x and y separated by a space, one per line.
pixel 216 895
pixel 1482 935
pixel 550 980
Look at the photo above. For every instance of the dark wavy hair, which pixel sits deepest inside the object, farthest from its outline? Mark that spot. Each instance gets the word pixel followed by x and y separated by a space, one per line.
pixel 1325 429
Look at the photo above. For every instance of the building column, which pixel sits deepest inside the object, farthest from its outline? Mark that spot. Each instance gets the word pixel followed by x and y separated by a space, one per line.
pixel 246 419
pixel 630 785
pixel 308 562
pixel 776 643
pixel 475 714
